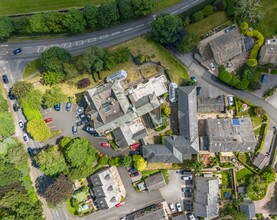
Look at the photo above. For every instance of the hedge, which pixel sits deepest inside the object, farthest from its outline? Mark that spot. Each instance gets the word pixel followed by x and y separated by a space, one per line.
pixel 263 132
pixel 198 16
pixel 31 113
pixel 230 8
pixel 225 76
pixel 245 163
pixel 273 71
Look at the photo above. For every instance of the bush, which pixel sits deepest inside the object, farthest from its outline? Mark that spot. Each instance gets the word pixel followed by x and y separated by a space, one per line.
pixel 254 85
pixel 31 113
pixel 103 160
pixel 220 5
pixel 230 8
pixel 225 76
pixel 252 62
pixel 234 81
pixel 208 10
pixel 270 92
pixel 221 68
pixel 198 16
pixel 83 83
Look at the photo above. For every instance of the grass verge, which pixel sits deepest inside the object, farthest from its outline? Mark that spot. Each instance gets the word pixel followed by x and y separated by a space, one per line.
pixel 31 68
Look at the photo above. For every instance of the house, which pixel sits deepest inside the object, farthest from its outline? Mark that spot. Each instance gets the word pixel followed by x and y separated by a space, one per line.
pixel 230 135
pixel 225 46
pixel 268 53
pixel 248 207
pixel 177 148
pixel 154 182
pixel 261 161
pixel 152 212
pixel 206 105
pixel 106 188
pixel 123 112
pixel 205 202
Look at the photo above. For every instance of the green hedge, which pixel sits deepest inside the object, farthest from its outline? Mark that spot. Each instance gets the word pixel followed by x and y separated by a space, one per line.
pixel 31 113
pixel 263 133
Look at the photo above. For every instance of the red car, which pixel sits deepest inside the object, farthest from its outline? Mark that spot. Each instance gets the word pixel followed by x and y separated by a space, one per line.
pixel 105 144
pixel 134 146
pixel 120 204
pixel 134 174
pixel 47 120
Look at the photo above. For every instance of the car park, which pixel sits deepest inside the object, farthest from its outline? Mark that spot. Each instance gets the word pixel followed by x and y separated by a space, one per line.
pixel 134 146
pixel 178 207
pixel 57 107
pixel 120 204
pixel 134 174
pixel 47 120
pixel 80 110
pixel 171 207
pixel 212 66
pixel 16 107
pixel 105 144
pixel 11 95
pixel 74 129
pixel 263 78
pixel 21 124
pixel 5 79
pixel 25 137
pixel 68 106
pixel 89 128
pixel 186 190
pixel 17 51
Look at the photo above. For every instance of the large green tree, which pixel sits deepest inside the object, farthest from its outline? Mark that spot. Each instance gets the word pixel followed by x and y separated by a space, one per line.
pixel 52 78
pixel 6 124
pixel 249 9
pixel 70 71
pixel 125 9
pixel 37 24
pixel 51 161
pixel 20 25
pixel 143 7
pixel 108 14
pixel 6 28
pixel 8 173
pixel 197 166
pixel 21 89
pixel 189 42
pixel 80 152
pixel 32 100
pixel 38 130
pixel 54 21
pixel 74 21
pixel 53 96
pixel 126 160
pixel 268 175
pixel 90 14
pixel 165 28
pixel 139 162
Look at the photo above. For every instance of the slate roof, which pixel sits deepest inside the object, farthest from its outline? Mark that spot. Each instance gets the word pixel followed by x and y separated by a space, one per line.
pixel 154 182
pixel 206 197
pixel 248 42
pixel 261 161
pixel 248 207
pixel 268 52
pixel 152 212
pixel 211 104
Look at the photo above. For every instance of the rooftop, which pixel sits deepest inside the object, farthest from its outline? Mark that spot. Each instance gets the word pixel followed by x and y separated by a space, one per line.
pixel 152 212
pixel 154 182
pixel 261 161
pixel 248 207
pixel 268 52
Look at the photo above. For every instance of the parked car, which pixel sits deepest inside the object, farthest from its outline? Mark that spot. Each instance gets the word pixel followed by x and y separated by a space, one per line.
pixel 74 129
pixel 95 134
pixel 89 128
pixel 21 124
pixel 186 177
pixel 105 144
pixel 134 146
pixel 171 207
pixel 193 78
pixel 132 170
pixel 198 90
pixel 25 137
pixel 83 117
pixel 184 172
pixel 79 123
pixel 5 79
pixel 16 107
pixel 80 110
pixel 228 29
pixel 11 95
pixel 134 174
pixel 191 216
pixel 230 100
pixel 57 107
pixel 229 65
pixel 30 151
pixel 186 190
pixel 47 120
pixel 120 204
pixel 178 207
pixel 263 78
pixel 68 106
pixel 17 51
pixel 212 66
pixel 43 106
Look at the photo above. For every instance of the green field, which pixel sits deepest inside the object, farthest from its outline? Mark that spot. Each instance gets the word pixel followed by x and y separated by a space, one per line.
pixel 207 23
pixel 8 7
pixel 268 25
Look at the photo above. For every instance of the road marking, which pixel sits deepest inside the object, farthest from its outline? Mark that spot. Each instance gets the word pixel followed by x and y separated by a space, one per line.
pixel 50 109
pixel 67 45
pixel 52 126
pixel 12 78
pixel 115 33
pixel 4 51
pixel 91 40
pixel 139 25
pixel 128 29
pixel 41 49
pixel 175 11
pixel 185 7
pixel 103 37
pixel 80 42
pixel 4 45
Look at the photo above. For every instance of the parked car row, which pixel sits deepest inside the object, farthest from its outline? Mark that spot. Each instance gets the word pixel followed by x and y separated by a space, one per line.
pixel 172 207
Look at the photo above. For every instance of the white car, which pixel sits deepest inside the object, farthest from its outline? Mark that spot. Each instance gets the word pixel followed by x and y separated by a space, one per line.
pixel 89 129
pixel 230 100
pixel 171 206
pixel 212 66
pixel 80 110
pixel 178 207
pixel 21 124
pixel 186 177
pixel 25 137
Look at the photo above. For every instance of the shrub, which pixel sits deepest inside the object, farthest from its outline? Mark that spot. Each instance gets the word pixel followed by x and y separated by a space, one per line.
pixel 252 62
pixel 230 8
pixel 254 85
pixel 83 83
pixel 220 5
pixel 221 68
pixel 103 160
pixel 208 10
pixel 198 16
pixel 225 76
pixel 234 81
pixel 31 113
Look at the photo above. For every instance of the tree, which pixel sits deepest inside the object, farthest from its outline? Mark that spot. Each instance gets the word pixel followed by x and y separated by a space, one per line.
pixel 126 160
pixel 165 110
pixel 70 71
pixel 252 62
pixel 37 24
pixel 21 89
pixel 38 130
pixel 51 161
pixel 7 125
pixel 121 55
pixel 76 173
pixel 249 9
pixel 125 8
pixel 54 58
pixel 54 21
pixel 268 175
pixel 254 85
pixel 74 21
pixel 198 16
pixel 234 81
pixel 165 28
pixel 32 100
pixel 256 188
pixel 59 190
pixel 108 14
pixel 90 15
pixel 6 28
pixel 189 42
pixel 197 166
pixel 53 96
pixel 208 10
pixel 139 162
pixel 230 8
pixel 103 160
pixel 239 216
pixel 83 83
pixel 220 5
pixel 8 173
pixel 114 161
pixel 20 25
pixel 79 152
pixel 52 78
pixel 143 7
pixel 225 76
pixel 65 141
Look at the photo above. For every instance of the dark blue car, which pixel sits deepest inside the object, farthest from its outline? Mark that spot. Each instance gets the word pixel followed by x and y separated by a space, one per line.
pixel 57 107
pixel 17 51
pixel 263 78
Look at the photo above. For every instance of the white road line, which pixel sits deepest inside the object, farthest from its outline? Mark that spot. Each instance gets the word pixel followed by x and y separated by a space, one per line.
pixel 175 11
pixel 4 51
pixel 139 25
pixel 66 45
pixel 4 45
pixel 12 78
pixel 128 29
pixel 41 49
pixel 52 126
pixel 80 42
pixel 115 33
pixel 91 40
pixel 103 37
pixel 185 7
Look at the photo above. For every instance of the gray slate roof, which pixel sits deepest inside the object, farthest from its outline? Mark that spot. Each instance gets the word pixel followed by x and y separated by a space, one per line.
pixel 261 161
pixel 154 182
pixel 152 212
pixel 268 52
pixel 248 207
pixel 211 104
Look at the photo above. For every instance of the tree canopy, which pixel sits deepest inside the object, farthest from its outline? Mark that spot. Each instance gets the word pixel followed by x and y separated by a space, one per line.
pixel 143 7
pixel 38 130
pixel 53 96
pixel 21 88
pixel 108 14
pixel 33 100
pixel 189 42
pixel 268 175
pixel 74 21
pixel 6 28
pixel 125 8
pixel 165 28
pixel 139 162
pixel 90 14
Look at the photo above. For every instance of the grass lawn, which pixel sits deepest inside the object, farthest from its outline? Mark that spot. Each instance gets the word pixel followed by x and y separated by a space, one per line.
pixel 147 173
pixel 70 209
pixel 208 23
pixel 226 181
pixel 8 7
pixel 268 25
pixel 243 173
pixel 31 68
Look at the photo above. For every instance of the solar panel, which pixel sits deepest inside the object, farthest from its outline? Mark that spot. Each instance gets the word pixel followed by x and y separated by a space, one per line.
pixel 235 122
